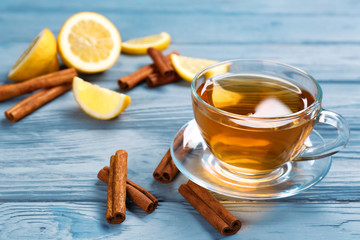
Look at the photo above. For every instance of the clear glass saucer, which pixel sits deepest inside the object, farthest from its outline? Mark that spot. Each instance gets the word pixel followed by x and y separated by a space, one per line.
pixel 193 158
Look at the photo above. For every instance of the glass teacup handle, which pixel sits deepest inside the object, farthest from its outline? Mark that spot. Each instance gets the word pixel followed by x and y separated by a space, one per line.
pixel 328 147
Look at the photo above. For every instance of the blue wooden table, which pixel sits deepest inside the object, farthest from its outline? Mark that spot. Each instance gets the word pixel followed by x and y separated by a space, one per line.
pixel 50 159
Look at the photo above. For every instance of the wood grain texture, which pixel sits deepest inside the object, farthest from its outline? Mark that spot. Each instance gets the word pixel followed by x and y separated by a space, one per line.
pixel 49 160
pixel 261 220
pixel 193 22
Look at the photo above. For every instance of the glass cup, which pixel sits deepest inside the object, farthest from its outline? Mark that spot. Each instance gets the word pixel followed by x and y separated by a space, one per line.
pixel 258 147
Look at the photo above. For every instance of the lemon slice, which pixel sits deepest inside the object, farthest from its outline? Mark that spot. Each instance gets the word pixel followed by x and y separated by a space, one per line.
pixel 39 58
pixel 98 102
pixel 222 98
pixel 140 45
pixel 188 67
pixel 89 42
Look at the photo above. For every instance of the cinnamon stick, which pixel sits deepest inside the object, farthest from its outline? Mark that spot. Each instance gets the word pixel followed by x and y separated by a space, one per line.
pixel 166 171
pixel 116 196
pixel 11 90
pixel 163 66
pixel 35 101
pixel 141 197
pixel 210 208
pixel 137 194
pixel 130 81
pixel 103 174
pixel 155 79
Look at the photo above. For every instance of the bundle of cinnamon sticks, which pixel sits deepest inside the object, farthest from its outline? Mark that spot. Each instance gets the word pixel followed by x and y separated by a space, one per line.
pixel 210 208
pixel 159 73
pixel 166 170
pixel 120 188
pixel 52 85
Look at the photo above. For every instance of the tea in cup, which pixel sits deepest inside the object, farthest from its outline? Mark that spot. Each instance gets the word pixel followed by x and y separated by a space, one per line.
pixel 256 115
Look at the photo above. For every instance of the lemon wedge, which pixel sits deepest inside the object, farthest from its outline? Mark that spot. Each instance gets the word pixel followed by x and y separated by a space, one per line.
pixel 188 67
pixel 98 102
pixel 39 58
pixel 140 45
pixel 89 42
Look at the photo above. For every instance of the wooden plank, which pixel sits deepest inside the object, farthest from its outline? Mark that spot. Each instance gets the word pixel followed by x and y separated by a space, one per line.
pixel 320 7
pixel 326 63
pixel 260 220
pixel 168 106
pixel 70 181
pixel 197 25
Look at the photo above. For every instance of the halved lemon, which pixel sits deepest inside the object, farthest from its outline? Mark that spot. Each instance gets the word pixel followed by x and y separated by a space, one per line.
pixel 140 45
pixel 98 102
pixel 188 67
pixel 39 58
pixel 89 42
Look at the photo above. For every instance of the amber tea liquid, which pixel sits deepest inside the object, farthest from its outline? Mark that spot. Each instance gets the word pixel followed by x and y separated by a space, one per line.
pixel 250 145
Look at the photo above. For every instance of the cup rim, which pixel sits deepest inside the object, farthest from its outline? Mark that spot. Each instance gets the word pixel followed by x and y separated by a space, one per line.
pixel 316 102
